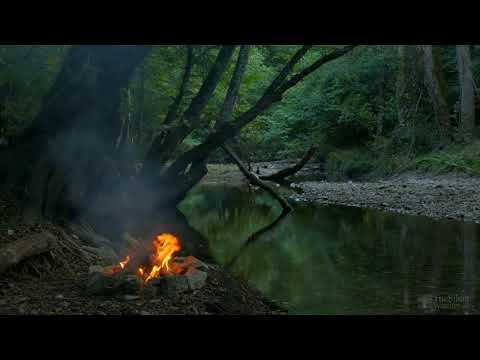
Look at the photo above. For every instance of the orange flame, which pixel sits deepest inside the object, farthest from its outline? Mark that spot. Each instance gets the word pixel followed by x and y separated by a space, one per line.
pixel 164 248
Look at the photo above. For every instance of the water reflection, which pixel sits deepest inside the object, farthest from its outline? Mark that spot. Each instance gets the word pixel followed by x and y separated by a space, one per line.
pixel 336 260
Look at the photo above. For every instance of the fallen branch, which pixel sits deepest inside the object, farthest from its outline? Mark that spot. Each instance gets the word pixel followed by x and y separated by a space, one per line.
pixel 280 176
pixel 255 180
pixel 17 251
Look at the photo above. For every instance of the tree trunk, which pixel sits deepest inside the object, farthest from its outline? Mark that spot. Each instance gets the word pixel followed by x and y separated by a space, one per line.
pixel 76 129
pixel 67 159
pixel 409 83
pixel 437 88
pixel 164 148
pixel 467 93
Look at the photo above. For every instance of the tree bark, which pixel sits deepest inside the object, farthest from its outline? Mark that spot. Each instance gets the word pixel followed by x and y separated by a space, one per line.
pixel 467 93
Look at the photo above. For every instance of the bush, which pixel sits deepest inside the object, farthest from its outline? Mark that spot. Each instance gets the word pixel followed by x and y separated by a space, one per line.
pixel 349 164
pixel 456 158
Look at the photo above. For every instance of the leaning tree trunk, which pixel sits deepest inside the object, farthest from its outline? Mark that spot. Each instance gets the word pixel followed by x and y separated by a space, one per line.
pixel 467 92
pixel 67 158
pixel 60 158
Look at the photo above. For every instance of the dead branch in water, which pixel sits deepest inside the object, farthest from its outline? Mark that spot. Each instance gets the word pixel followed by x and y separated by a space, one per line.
pixel 255 180
pixel 279 177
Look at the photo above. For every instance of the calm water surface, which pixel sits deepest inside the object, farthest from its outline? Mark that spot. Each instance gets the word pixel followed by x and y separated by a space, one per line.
pixel 338 260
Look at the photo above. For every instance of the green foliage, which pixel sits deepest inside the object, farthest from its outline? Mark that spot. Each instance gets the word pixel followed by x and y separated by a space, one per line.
pixel 26 74
pixel 348 108
pixel 348 164
pixel 456 158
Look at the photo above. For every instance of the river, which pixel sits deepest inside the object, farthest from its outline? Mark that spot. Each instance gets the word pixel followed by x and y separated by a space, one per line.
pixel 340 260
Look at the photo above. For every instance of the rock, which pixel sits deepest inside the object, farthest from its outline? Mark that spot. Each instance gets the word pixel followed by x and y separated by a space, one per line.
pixel 128 284
pixel 191 262
pixel 10 232
pixel 170 286
pixel 59 297
pixel 119 284
pixel 100 284
pixel 196 279
pixel 131 297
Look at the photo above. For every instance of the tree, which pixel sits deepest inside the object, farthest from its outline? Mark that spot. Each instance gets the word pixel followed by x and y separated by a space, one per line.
pixel 409 83
pixel 437 89
pixel 69 150
pixel 467 92
pixel 56 158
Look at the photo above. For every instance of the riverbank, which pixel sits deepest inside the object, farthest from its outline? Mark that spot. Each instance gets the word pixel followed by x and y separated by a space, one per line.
pixel 450 196
pixel 50 284
pixel 453 197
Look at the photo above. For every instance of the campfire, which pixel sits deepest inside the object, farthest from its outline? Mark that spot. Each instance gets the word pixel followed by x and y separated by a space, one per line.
pixel 153 269
pixel 156 264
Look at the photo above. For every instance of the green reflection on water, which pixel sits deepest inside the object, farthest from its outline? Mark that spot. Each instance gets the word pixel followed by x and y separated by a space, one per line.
pixel 337 260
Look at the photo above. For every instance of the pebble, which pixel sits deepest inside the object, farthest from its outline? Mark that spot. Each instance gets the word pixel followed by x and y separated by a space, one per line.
pixel 433 196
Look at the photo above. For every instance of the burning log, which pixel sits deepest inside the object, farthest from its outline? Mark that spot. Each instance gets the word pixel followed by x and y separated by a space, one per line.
pixel 33 245
pixel 152 272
